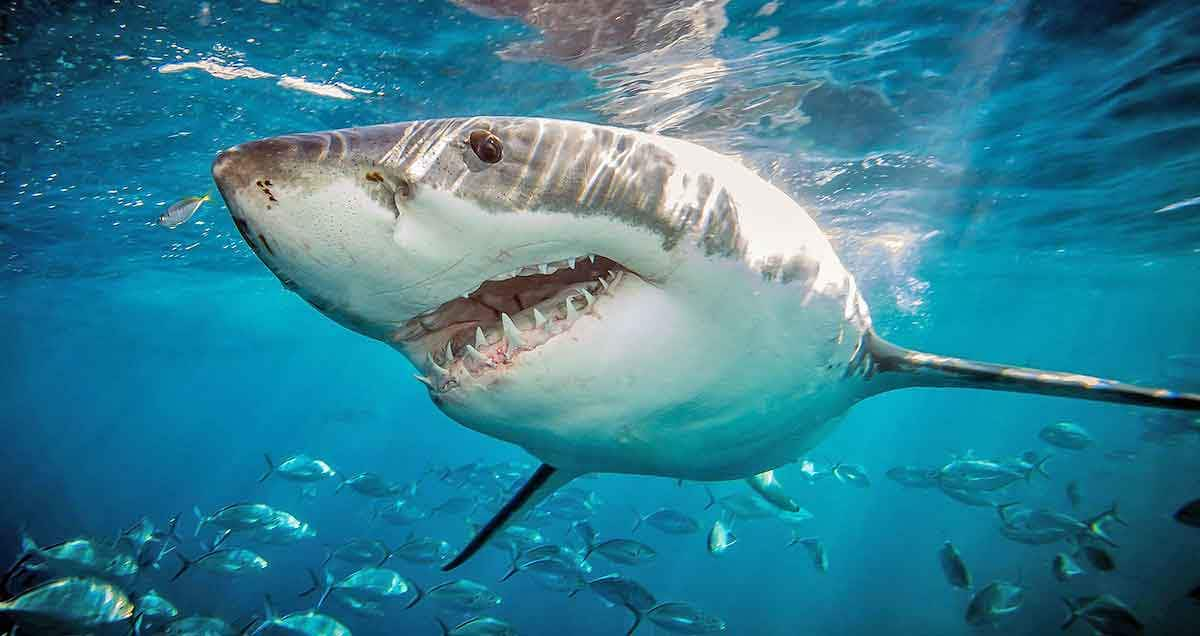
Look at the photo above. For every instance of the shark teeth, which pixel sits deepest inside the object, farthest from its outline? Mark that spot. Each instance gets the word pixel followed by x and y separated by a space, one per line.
pixel 433 366
pixel 476 356
pixel 511 333
pixel 543 269
pixel 587 296
pixel 446 369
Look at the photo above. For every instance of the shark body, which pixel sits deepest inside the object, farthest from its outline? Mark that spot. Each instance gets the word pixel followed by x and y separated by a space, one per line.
pixel 609 300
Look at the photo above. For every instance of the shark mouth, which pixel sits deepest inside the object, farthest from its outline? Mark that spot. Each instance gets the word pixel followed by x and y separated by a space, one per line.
pixel 484 331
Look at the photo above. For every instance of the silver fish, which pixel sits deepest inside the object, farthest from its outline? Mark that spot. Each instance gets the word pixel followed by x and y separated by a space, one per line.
pixel 369 584
pixel 309 623
pixel 669 521
pixel 136 536
pixel 684 618
pixel 366 607
pixel 583 531
pixel 282 529
pixel 360 552
pixel 370 485
pixel 236 517
pixel 230 561
pixel 747 507
pixel 1099 558
pixel 77 557
pixel 1065 568
pixel 181 211
pixel 953 566
pixel 301 468
pixel 720 538
pixel 624 591
pixel 154 607
pixel 423 550
pixel 568 556
pixel 564 505
pixel 852 474
pixel 816 550
pixel 464 595
pixel 1106 615
pixel 995 601
pixel 196 626
pixel 71 603
pixel 517 538
pixel 551 573
pixel 1066 435
pixel 401 512
pixel 623 551
pixel 478 626
pixel 976 475
pixel 914 476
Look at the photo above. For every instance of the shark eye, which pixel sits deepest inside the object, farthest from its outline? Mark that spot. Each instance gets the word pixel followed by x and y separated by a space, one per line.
pixel 486 146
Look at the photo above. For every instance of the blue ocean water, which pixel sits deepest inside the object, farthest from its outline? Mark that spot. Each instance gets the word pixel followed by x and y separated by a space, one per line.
pixel 1013 181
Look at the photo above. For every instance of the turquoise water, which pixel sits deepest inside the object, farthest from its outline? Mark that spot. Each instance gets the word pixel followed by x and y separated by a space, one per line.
pixel 1008 181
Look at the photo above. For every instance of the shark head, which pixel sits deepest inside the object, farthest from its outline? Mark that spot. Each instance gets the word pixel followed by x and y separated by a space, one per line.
pixel 590 293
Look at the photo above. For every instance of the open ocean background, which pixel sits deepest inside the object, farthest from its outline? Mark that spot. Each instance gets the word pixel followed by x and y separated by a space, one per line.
pixel 1011 181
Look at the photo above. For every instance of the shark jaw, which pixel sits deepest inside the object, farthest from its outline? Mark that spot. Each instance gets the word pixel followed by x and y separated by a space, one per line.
pixel 508 315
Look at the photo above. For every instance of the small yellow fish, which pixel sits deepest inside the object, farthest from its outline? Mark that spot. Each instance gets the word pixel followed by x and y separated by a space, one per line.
pixel 181 211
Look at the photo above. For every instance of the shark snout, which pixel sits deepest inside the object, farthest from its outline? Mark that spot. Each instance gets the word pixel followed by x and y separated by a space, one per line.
pixel 254 164
pixel 252 178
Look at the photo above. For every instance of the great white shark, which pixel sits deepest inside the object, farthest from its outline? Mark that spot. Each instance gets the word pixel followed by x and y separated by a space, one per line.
pixel 607 299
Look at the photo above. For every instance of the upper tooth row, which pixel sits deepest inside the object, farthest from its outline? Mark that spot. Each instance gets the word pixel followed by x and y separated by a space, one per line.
pixel 543 269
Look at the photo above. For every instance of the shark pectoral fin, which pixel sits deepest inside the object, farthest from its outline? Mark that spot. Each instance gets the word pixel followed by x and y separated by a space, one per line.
pixel 924 369
pixel 545 480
